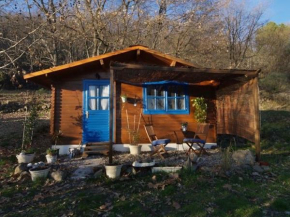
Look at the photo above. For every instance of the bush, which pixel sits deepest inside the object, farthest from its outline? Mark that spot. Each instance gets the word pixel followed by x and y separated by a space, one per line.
pixel 274 82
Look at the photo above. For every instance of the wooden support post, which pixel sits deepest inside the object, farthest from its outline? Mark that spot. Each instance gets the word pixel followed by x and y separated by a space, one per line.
pixel 111 128
pixel 257 119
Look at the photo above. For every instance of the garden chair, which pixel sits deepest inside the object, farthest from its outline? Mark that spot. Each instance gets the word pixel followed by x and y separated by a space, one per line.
pixel 158 145
pixel 201 132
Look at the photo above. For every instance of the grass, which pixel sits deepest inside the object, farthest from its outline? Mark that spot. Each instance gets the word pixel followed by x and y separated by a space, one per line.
pixel 193 194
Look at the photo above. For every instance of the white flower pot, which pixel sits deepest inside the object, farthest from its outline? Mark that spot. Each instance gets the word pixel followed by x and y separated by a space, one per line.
pixel 51 158
pixel 36 174
pixel 135 149
pixel 113 171
pixel 25 158
pixel 184 128
pixel 165 169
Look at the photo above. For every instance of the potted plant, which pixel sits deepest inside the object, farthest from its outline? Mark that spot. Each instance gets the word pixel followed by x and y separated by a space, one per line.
pixel 56 138
pixel 134 135
pixel 51 155
pixel 124 98
pixel 200 112
pixel 39 171
pixel 27 154
pixel 184 126
pixel 135 148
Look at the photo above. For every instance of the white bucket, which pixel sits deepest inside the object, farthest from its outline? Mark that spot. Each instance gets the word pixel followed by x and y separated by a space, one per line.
pixel 36 174
pixel 51 158
pixel 113 171
pixel 25 158
pixel 135 149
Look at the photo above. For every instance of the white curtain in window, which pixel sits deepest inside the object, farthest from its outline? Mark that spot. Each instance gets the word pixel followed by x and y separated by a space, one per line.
pixel 92 93
pixel 105 93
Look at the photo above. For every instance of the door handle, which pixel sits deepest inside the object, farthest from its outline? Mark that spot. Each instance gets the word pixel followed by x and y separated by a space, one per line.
pixel 87 114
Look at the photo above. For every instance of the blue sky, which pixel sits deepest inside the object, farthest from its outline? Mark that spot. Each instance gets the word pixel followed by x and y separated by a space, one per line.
pixel 278 11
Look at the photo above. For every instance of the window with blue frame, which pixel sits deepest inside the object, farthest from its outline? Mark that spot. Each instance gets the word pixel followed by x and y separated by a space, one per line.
pixel 165 98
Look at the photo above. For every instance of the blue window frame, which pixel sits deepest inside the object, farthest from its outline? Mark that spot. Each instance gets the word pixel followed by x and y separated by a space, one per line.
pixel 165 98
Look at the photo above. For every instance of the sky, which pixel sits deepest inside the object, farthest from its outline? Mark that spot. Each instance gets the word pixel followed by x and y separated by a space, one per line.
pixel 278 11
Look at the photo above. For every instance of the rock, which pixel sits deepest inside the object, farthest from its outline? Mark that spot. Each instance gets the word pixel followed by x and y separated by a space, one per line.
pixel 243 157
pixel 266 168
pixel 258 169
pixel 98 173
pixel 24 176
pixel 20 168
pixel 58 175
pixel 255 174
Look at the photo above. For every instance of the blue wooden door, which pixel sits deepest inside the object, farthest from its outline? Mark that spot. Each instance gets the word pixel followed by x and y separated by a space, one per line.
pixel 96 111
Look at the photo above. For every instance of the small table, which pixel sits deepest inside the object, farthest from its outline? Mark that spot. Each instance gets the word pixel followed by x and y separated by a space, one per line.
pixel 199 142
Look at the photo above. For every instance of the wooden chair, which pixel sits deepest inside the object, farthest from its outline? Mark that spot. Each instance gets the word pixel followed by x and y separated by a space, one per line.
pixel 157 144
pixel 199 138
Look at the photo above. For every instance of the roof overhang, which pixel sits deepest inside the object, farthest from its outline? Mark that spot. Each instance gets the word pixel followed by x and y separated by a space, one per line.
pixel 47 76
pixel 139 74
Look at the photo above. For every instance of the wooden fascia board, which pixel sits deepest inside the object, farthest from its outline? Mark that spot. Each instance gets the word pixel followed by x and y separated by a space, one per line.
pixel 81 62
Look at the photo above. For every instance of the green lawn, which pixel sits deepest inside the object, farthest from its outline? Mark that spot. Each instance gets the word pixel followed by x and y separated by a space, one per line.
pixel 192 194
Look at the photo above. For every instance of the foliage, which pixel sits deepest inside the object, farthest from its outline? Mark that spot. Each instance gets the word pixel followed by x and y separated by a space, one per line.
pixel 134 127
pixel 56 136
pixel 29 123
pixel 51 151
pixel 275 82
pixel 184 124
pixel 200 105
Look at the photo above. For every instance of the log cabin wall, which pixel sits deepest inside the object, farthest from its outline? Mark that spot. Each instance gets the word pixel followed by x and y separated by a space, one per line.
pixel 69 110
pixel 69 105
pixel 164 125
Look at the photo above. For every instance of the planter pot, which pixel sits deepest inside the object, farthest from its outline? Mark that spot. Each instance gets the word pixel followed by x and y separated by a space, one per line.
pixel 39 173
pixel 51 158
pixel 166 169
pixel 25 158
pixel 113 171
pixel 184 128
pixel 135 149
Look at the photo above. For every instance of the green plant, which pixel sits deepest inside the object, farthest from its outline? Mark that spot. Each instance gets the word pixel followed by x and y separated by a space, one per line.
pixel 29 123
pixel 51 151
pixel 184 124
pixel 200 112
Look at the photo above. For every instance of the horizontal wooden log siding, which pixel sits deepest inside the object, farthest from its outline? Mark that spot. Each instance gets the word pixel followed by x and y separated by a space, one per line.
pixel 164 125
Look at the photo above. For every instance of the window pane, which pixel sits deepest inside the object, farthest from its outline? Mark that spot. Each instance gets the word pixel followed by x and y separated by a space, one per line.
pixel 92 91
pixel 150 91
pixel 180 90
pixel 93 104
pixel 160 91
pixel 181 104
pixel 171 104
pixel 160 104
pixel 104 104
pixel 171 91
pixel 104 91
pixel 151 104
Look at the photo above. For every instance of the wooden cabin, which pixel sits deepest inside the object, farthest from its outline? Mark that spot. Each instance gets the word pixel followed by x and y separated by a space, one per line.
pixel 158 87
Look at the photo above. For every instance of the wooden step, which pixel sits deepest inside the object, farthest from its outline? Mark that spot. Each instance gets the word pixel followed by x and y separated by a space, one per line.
pixel 96 148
